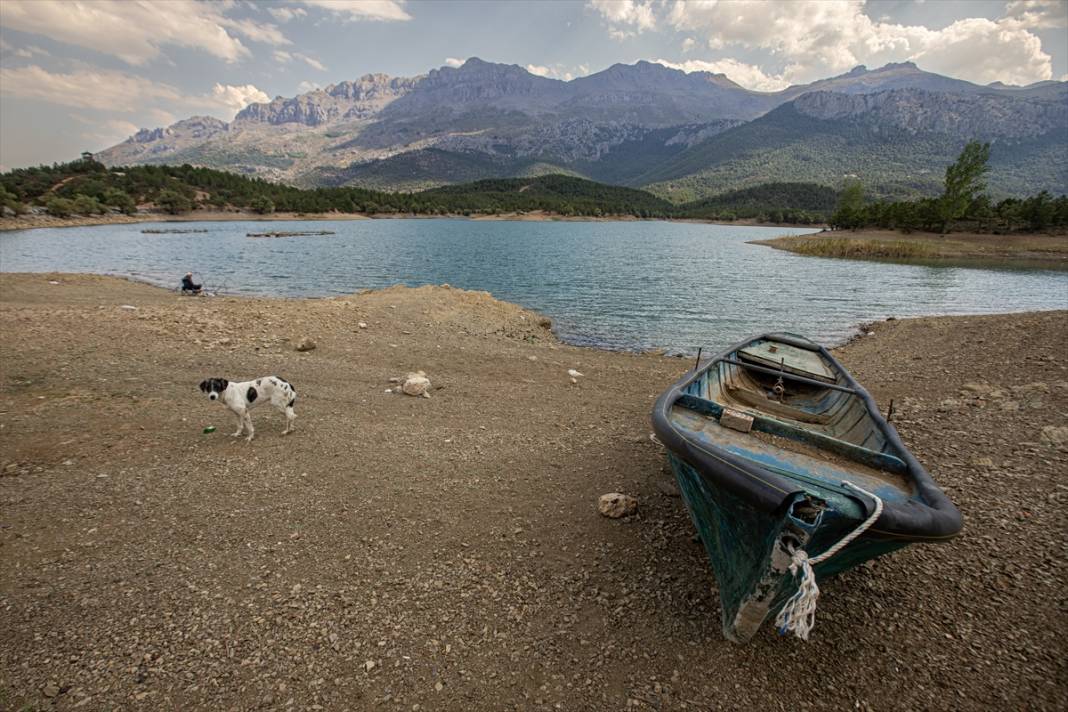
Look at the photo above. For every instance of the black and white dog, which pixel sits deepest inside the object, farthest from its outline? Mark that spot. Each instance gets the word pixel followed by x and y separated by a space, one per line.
pixel 240 397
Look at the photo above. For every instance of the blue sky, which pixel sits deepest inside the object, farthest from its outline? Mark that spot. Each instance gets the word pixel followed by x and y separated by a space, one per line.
pixel 83 75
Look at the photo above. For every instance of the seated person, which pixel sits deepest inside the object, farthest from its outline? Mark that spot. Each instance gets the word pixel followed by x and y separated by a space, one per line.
pixel 188 286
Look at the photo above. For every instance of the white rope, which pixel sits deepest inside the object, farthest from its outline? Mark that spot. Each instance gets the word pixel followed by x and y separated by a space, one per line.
pixel 798 616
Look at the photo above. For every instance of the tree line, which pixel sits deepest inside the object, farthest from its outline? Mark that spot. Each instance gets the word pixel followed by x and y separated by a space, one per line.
pixel 87 187
pixel 963 205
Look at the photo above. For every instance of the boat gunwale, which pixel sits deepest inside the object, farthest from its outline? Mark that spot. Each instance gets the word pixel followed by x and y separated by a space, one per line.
pixel 931 516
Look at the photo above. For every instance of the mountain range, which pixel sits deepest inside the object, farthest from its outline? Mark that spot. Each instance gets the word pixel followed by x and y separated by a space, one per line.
pixel 681 135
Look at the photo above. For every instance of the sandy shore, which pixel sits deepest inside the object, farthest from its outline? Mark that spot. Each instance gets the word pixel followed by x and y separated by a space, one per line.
pixel 963 249
pixel 446 553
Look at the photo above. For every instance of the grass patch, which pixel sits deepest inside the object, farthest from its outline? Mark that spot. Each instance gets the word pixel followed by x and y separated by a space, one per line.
pixel 860 249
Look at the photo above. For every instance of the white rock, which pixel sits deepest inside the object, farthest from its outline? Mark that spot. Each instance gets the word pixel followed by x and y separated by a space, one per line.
pixel 306 344
pixel 128 307
pixel 416 384
pixel 573 373
pixel 362 325
pixel 615 505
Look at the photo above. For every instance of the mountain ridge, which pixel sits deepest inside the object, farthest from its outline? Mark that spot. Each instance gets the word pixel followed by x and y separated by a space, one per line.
pixel 620 125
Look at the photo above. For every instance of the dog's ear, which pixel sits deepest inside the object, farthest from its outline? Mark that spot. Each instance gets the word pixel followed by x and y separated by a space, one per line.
pixel 204 386
pixel 223 383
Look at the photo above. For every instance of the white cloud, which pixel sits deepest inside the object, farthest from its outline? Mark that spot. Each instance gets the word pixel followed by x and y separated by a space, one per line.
pixel 133 31
pixel 558 71
pixel 257 32
pixel 284 57
pixel 232 98
pixel 106 132
pixel 453 61
pixel 1037 14
pixel 688 44
pixel 748 75
pixel 305 87
pixel 625 17
pixel 107 90
pixel 813 38
pixel 161 117
pixel 390 10
pixel 311 62
pixel 85 88
pixel 285 14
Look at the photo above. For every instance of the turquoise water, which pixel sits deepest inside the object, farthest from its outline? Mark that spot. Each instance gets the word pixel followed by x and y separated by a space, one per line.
pixel 625 285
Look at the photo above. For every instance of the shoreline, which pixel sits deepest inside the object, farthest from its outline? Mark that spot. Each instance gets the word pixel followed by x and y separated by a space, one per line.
pixel 447 552
pixel 33 222
pixel 856 331
pixel 976 250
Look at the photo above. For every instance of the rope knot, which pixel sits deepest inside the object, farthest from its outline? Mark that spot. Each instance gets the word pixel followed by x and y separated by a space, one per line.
pixel 798 614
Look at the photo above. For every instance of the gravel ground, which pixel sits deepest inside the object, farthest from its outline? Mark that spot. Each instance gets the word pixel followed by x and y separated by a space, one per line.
pixel 402 553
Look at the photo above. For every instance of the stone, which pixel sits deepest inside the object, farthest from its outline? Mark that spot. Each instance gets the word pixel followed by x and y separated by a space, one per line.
pixel 362 325
pixel 416 384
pixel 736 420
pixel 306 344
pixel 50 690
pixel 615 505
pixel 573 373
pixel 1055 434
pixel 369 665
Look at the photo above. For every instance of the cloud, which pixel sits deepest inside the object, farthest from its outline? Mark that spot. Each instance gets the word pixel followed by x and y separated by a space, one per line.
pixel 305 87
pixel 558 71
pixel 231 97
pixel 133 31
pixel 285 57
pixel 388 10
pixel 285 14
pixel 1037 14
pixel 107 90
pixel 257 32
pixel 749 76
pixel 688 44
pixel 453 61
pixel 811 38
pixel 105 132
pixel 85 88
pixel 625 17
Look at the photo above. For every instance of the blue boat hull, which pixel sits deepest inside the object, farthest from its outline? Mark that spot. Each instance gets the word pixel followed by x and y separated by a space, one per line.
pixel 754 502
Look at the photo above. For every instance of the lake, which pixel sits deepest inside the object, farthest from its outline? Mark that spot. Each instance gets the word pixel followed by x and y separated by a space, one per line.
pixel 619 285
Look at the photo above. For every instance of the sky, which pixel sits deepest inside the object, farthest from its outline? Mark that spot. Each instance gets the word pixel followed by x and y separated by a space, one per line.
pixel 78 75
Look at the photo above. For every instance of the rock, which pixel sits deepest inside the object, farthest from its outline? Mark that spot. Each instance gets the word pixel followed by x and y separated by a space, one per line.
pixel 573 373
pixel 362 325
pixel 128 307
pixel 306 344
pixel 225 341
pixel 50 690
pixel 369 665
pixel 416 384
pixel 1055 434
pixel 615 505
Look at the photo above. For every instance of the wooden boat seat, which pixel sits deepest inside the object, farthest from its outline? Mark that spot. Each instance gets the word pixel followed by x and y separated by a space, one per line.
pixel 763 403
pixel 774 426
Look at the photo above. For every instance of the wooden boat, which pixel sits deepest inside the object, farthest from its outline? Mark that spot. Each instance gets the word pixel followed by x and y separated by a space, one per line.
pixel 790 474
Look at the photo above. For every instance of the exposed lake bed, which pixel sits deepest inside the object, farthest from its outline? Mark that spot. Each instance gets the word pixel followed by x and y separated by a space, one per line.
pixel 453 542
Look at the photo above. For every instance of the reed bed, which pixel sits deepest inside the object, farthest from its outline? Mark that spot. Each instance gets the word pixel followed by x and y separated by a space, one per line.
pixel 870 249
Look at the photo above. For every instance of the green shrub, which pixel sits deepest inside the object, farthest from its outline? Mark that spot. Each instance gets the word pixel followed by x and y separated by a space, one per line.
pixel 60 207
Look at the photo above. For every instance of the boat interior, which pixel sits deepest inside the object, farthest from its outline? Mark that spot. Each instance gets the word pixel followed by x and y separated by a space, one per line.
pixel 807 423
